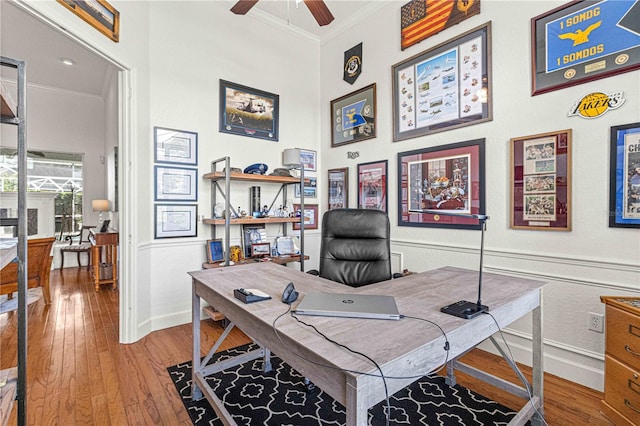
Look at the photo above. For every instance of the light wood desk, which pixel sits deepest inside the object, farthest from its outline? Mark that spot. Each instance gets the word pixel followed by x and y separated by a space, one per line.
pixel 108 240
pixel 402 348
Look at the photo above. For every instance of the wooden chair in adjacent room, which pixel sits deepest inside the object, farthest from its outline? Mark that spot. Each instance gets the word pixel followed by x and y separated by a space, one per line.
pixel 78 244
pixel 38 269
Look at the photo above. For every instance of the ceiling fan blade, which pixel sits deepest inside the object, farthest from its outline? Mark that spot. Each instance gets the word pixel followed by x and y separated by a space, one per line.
pixel 320 11
pixel 243 6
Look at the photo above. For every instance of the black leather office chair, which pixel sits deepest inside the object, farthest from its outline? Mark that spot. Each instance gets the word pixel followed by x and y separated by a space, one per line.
pixel 355 248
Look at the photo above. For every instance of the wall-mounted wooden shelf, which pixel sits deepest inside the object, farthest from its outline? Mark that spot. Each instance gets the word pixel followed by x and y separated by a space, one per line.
pixel 252 220
pixel 249 177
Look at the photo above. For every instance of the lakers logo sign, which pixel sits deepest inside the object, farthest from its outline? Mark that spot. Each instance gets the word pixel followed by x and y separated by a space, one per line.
pixel 596 104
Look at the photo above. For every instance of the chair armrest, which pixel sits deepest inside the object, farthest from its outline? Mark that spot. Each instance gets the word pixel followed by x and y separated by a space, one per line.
pixel 313 272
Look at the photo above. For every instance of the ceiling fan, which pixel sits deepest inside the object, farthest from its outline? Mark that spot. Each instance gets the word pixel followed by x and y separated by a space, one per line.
pixel 318 9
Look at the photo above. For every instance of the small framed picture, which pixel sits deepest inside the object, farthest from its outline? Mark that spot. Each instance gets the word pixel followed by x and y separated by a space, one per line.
pixel 624 178
pixel 308 160
pixel 175 146
pixel 215 253
pixel 353 117
pixel 260 250
pixel 245 111
pixel 372 185
pixel 175 220
pixel 99 14
pixel 176 184
pixel 309 190
pixel 310 216
pixel 253 234
pixel 541 181
pixel 338 188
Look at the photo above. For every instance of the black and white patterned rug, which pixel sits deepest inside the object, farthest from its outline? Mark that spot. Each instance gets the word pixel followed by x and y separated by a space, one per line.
pixel 280 398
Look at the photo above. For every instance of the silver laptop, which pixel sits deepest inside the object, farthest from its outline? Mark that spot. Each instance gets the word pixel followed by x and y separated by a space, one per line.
pixel 348 305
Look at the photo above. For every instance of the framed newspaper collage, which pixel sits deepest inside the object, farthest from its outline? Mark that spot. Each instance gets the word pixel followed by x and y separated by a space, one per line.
pixel 541 181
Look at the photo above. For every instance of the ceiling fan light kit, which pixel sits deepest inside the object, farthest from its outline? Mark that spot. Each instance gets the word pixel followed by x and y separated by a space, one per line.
pixel 318 9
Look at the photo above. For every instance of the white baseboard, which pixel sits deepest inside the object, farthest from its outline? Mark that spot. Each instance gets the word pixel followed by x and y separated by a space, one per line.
pixel 572 364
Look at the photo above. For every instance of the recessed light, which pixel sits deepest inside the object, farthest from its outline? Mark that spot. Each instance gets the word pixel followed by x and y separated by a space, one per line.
pixel 67 61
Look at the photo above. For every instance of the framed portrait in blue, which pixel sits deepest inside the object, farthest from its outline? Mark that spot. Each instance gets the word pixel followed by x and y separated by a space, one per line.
pixel 624 183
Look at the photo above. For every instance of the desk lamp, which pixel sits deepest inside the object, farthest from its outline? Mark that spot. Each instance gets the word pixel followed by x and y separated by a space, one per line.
pixel 463 308
pixel 100 206
pixel 291 159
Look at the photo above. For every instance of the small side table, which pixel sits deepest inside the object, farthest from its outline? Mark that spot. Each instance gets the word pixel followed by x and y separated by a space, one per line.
pixel 108 240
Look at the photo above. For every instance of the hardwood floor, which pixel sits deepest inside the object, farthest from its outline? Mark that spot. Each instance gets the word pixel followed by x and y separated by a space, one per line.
pixel 78 373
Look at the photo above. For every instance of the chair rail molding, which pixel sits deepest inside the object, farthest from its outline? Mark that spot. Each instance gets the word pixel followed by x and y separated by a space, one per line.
pixel 610 274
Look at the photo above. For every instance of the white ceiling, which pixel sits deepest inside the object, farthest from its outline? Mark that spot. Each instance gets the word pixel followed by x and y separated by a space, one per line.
pixel 26 38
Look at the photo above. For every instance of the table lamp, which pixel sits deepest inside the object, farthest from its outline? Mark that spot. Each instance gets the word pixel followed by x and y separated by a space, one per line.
pixel 100 206
pixel 291 159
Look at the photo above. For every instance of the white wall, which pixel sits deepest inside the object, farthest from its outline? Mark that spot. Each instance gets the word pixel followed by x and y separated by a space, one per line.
pixel 192 46
pixel 580 265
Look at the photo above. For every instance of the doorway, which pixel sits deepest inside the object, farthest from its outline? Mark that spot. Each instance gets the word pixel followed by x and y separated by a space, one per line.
pixel 30 36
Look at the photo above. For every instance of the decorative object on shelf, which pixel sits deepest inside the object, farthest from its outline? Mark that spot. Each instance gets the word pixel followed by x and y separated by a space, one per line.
pixel 420 19
pixel 596 104
pixel 286 245
pixel 310 216
pixel 372 185
pixel 235 254
pixel 254 201
pixel 215 253
pixel 280 171
pixel 309 190
pixel 583 41
pixel 624 176
pixel 352 63
pixel 233 170
pixel 218 210
pixel 100 206
pixel 175 146
pixel 245 111
pixel 308 160
pixel 449 178
pixel 175 184
pixel 253 234
pixel 97 13
pixel 261 249
pixel 445 87
pixel 338 188
pixel 175 220
pixel 291 158
pixel 541 181
pixel 353 117
pixel 256 169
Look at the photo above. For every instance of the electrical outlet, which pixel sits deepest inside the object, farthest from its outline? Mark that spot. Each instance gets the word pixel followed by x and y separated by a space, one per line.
pixel 596 322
